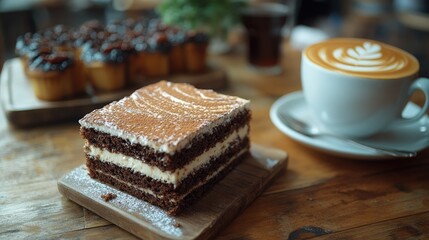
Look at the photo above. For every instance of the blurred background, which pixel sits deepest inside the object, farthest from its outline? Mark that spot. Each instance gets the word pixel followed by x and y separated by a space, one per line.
pixel 403 23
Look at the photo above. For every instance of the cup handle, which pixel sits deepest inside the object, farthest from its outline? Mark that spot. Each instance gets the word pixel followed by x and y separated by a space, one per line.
pixel 421 84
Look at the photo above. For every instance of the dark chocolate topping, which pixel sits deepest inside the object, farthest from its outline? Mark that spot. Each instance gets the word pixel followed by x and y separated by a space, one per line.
pixel 92 26
pixel 22 43
pixel 41 49
pixel 58 35
pixel 158 42
pixel 28 45
pixel 155 25
pixel 197 37
pixel 51 61
pixel 139 43
pixel 122 26
pixel 113 51
pixel 113 43
pixel 176 36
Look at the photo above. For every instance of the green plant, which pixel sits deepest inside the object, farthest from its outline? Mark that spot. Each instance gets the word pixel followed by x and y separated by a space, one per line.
pixel 214 16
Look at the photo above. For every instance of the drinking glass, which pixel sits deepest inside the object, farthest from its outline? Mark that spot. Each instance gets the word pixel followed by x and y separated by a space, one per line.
pixel 266 24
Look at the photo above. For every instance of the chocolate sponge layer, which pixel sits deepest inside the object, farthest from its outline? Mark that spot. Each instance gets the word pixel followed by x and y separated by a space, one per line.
pixel 159 159
pixel 105 172
pixel 163 188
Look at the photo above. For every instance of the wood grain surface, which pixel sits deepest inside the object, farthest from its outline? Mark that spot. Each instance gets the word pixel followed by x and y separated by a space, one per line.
pixel 201 220
pixel 318 196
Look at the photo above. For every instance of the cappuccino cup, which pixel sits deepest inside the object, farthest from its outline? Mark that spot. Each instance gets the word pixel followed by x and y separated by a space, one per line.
pixel 359 87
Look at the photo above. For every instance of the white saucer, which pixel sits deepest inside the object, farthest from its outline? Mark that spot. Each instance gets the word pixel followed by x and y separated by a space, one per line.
pixel 412 137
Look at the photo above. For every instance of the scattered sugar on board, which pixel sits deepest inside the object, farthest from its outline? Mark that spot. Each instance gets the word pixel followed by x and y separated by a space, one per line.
pixel 93 189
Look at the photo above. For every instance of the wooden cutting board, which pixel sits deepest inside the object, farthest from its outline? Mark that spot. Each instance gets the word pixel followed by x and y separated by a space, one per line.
pixel 24 109
pixel 202 220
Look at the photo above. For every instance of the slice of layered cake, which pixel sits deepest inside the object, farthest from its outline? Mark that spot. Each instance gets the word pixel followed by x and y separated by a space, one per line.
pixel 166 143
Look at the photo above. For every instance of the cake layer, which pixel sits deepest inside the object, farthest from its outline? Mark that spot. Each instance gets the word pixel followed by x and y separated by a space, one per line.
pixel 172 207
pixel 164 161
pixel 176 176
pixel 165 116
pixel 160 188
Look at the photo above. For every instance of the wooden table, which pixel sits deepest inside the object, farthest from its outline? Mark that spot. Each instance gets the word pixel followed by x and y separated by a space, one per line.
pixel 318 195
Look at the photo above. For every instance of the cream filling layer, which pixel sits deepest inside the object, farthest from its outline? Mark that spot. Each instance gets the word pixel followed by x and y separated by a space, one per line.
pixel 173 177
pixel 148 191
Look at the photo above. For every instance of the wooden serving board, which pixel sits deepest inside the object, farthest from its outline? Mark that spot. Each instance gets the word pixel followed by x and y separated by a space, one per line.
pixel 202 220
pixel 24 109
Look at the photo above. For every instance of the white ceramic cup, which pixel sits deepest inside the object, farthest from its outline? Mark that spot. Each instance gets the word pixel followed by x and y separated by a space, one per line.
pixel 358 87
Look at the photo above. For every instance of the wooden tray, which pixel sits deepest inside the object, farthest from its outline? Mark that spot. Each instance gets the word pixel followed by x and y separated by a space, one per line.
pixel 23 109
pixel 202 220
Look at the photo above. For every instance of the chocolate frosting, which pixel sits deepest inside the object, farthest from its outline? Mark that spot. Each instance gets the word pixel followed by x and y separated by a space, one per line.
pixel 51 61
pixel 176 36
pixel 158 42
pixel 22 44
pixel 113 50
pixel 197 37
pixel 99 43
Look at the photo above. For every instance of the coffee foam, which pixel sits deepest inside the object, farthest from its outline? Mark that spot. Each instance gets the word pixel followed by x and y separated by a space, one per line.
pixel 363 58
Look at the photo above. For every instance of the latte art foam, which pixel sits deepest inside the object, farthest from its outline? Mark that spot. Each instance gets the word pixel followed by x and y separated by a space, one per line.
pixel 363 58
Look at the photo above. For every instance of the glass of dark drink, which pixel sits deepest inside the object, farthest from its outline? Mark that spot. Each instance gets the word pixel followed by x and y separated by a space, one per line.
pixel 264 23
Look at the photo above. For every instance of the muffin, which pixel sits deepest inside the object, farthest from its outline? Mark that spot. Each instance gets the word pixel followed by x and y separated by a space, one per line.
pixel 156 62
pixel 105 64
pixel 195 49
pixel 177 53
pixel 137 60
pixel 28 47
pixel 91 33
pixel 51 75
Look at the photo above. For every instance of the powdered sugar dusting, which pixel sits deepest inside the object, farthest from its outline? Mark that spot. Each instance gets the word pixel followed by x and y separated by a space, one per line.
pixel 93 189
pixel 165 116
